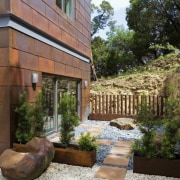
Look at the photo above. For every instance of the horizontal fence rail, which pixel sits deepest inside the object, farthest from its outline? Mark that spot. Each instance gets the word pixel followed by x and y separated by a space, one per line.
pixel 123 105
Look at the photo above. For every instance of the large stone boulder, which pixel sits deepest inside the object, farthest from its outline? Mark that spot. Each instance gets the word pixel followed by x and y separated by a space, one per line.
pixel 123 123
pixel 27 162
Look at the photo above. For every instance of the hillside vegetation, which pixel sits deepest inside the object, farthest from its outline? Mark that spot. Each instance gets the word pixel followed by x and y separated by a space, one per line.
pixel 150 79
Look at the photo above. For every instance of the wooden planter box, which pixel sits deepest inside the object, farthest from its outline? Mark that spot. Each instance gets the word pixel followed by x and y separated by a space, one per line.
pixel 73 156
pixel 157 166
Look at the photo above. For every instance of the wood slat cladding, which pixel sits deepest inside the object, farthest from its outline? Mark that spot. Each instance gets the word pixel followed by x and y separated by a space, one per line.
pixel 48 17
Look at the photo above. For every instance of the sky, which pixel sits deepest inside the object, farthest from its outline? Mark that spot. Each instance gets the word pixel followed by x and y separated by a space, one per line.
pixel 119 7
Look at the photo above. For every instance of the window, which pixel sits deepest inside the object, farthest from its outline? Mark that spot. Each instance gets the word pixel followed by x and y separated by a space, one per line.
pixel 53 88
pixel 67 6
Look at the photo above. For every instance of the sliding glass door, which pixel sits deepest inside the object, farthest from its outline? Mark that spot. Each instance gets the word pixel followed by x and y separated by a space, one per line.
pixel 53 89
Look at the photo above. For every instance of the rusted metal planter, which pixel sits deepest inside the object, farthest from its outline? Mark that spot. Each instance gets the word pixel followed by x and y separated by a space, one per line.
pixel 23 147
pixel 156 166
pixel 73 156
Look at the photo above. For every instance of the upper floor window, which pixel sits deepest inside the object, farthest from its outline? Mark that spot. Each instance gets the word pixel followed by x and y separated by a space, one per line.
pixel 67 7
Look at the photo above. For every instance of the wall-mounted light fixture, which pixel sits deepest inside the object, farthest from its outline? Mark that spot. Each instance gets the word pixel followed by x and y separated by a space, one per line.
pixel 34 80
pixel 85 84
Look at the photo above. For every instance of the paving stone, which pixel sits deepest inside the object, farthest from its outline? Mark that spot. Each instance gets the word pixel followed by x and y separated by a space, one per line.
pixel 119 150
pixel 92 126
pixel 95 131
pixel 123 143
pixel 104 142
pixel 111 173
pixel 116 160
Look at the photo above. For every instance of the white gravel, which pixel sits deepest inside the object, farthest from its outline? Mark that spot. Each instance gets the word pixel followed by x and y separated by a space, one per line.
pixel 58 171
pixel 135 176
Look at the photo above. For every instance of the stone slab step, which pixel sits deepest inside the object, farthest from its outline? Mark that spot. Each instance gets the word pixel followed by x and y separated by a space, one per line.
pixel 116 160
pixel 120 150
pixel 111 173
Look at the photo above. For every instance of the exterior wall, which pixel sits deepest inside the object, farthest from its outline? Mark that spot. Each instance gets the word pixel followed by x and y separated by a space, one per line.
pixel 4 90
pixel 22 54
pixel 47 16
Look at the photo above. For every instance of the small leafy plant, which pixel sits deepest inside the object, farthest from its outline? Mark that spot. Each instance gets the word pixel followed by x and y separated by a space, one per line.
pixel 87 142
pixel 70 118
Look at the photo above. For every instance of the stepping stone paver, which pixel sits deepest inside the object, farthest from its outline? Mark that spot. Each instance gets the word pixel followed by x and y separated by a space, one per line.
pixel 119 150
pixel 89 126
pixel 116 160
pixel 95 131
pixel 123 143
pixel 111 173
pixel 104 142
pixel 116 163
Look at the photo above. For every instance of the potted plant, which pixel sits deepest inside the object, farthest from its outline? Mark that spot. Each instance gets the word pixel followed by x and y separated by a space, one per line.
pixel 30 118
pixel 158 154
pixel 65 151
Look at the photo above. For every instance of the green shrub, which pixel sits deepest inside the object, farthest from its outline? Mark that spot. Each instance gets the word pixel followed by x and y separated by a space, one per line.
pixel 171 121
pixel 30 118
pixel 87 142
pixel 37 115
pixel 70 118
pixel 145 120
pixel 23 129
pixel 147 146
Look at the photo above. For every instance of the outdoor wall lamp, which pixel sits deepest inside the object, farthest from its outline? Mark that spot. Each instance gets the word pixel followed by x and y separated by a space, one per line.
pixel 85 84
pixel 34 80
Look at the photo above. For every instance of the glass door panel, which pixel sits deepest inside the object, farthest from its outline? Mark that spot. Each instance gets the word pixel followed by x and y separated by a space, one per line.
pixel 53 89
pixel 48 90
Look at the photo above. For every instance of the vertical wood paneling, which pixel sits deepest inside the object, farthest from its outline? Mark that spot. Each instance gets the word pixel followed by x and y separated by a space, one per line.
pixel 124 104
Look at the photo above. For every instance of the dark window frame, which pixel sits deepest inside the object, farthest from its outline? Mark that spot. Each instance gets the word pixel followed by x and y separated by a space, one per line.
pixel 67 6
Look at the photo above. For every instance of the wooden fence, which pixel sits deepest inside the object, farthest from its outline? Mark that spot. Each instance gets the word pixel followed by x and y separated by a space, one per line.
pixel 107 107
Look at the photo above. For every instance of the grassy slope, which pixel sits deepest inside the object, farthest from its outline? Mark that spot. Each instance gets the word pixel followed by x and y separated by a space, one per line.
pixel 152 75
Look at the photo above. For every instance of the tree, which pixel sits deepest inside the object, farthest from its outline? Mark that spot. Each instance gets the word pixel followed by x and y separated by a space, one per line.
pixel 30 118
pixel 24 126
pixel 119 47
pixel 154 22
pixel 70 118
pixel 100 54
pixel 37 114
pixel 103 17
pixel 113 55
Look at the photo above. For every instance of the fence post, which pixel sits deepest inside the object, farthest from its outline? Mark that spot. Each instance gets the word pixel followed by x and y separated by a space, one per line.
pixel 103 103
pixel 107 105
pixel 121 104
pixel 129 105
pixel 99 104
pixel 118 112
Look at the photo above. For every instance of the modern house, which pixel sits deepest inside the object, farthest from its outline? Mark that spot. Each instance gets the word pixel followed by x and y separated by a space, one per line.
pixel 44 45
